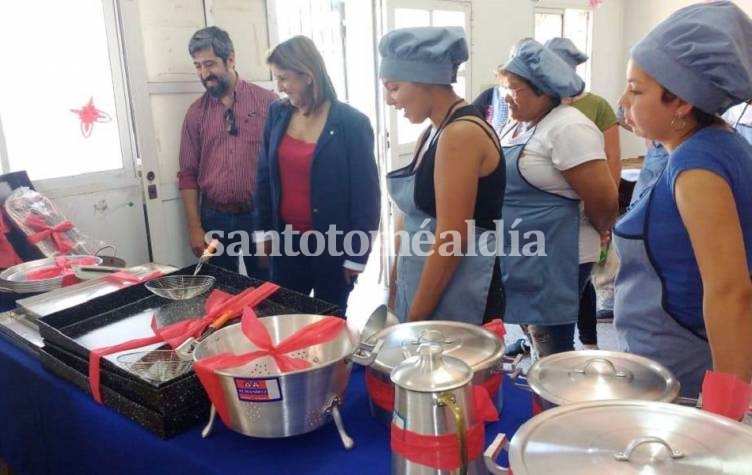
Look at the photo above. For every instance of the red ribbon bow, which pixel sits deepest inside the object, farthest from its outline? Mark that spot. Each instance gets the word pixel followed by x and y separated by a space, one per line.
pixel 316 333
pixel 63 267
pixel 45 231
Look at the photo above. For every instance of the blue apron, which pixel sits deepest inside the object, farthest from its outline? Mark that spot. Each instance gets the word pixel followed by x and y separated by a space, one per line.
pixel 540 290
pixel 642 324
pixel 465 296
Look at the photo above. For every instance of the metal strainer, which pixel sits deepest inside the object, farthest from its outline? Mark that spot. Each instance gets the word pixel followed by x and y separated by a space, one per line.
pixel 156 365
pixel 180 287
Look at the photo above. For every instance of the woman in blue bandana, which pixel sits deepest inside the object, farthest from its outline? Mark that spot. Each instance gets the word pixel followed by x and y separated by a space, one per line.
pixel 558 185
pixel 683 292
pixel 457 175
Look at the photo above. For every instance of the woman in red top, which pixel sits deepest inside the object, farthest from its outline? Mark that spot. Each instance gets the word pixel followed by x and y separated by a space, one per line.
pixel 316 170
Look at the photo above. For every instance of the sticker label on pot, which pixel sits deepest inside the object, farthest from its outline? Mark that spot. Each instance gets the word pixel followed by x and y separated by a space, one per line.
pixel 258 389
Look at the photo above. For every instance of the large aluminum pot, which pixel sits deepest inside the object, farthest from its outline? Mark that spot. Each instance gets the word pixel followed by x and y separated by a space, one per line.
pixel 626 437
pixel 479 348
pixel 595 375
pixel 291 403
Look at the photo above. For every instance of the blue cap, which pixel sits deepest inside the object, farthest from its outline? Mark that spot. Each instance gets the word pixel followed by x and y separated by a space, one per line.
pixel 544 69
pixel 429 55
pixel 566 51
pixel 701 53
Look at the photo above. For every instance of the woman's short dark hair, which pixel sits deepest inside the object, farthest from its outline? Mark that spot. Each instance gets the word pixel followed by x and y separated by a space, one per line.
pixel 299 54
pixel 212 37
pixel 702 118
pixel 555 100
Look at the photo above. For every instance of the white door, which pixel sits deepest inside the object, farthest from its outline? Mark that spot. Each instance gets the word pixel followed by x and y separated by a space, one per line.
pixel 164 83
pixel 65 117
pixel 401 135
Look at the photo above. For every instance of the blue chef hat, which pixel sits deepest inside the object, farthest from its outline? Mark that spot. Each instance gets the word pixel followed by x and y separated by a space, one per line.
pixel 566 51
pixel 544 69
pixel 703 54
pixel 429 55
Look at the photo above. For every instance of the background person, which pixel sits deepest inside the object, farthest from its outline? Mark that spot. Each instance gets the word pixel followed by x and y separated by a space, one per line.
pixel 598 110
pixel 316 170
pixel 683 291
pixel 558 183
pixel 219 148
pixel 457 174
pixel 492 106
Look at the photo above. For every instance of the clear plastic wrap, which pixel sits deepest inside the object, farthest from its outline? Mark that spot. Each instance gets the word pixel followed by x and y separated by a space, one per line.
pixel 46 227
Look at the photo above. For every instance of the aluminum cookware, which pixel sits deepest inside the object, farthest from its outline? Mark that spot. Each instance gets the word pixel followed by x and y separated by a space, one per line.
pixel 433 398
pixel 479 348
pixel 15 279
pixel 626 437
pixel 298 401
pixel 595 375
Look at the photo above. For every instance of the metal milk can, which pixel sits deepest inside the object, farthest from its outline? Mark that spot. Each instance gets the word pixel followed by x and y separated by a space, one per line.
pixel 433 411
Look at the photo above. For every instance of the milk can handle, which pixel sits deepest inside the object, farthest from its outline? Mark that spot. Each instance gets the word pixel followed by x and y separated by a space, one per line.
pixel 448 400
pixel 492 453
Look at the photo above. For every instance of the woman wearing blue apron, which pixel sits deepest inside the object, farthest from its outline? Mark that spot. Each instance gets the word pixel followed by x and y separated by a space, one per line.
pixel 457 176
pixel 683 292
pixel 555 160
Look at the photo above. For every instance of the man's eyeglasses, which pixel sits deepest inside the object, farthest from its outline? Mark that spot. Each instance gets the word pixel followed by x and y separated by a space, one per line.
pixel 232 127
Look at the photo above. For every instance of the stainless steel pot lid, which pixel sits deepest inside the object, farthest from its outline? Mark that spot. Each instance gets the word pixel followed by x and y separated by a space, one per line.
pixel 431 371
pixel 596 437
pixel 579 376
pixel 477 347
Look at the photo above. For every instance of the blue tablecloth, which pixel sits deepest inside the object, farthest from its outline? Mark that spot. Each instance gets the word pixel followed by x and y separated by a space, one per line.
pixel 48 426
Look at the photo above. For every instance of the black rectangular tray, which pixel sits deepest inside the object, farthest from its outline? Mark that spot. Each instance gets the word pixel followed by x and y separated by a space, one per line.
pixel 171 398
pixel 163 425
pixel 61 329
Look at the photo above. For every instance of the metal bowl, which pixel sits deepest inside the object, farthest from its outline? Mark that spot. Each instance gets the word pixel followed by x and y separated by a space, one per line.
pixel 180 287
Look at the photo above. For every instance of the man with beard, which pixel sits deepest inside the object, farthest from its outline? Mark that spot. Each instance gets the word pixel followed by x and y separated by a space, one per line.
pixel 219 149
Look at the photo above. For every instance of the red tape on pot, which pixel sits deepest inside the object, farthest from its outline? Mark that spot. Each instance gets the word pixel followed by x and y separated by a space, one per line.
pixel 381 392
pixel 441 452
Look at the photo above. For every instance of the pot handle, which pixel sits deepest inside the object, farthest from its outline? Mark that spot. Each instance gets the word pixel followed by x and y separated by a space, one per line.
pixel 492 453
pixel 448 400
pixel 624 455
pixel 520 381
pixel 365 354
pixel 509 365
pixel 185 349
pixel 609 363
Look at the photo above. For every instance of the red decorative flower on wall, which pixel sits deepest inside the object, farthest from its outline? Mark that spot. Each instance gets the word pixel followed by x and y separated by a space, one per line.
pixel 89 114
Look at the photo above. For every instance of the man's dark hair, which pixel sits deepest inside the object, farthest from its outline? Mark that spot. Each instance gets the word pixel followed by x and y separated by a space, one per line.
pixel 211 37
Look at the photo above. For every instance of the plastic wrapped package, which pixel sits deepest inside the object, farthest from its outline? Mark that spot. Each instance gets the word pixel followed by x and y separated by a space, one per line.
pixel 46 227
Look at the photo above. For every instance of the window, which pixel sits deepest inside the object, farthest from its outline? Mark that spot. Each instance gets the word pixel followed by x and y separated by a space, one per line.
pixel 568 23
pixel 58 101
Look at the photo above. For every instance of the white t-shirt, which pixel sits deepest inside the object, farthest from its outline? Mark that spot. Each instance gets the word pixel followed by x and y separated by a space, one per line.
pixel 562 140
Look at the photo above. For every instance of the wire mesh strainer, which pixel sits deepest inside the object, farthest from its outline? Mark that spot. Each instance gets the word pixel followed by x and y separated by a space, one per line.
pixel 180 287
pixel 156 365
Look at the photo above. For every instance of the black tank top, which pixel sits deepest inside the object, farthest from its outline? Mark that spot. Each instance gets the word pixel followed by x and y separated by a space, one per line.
pixel 490 195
